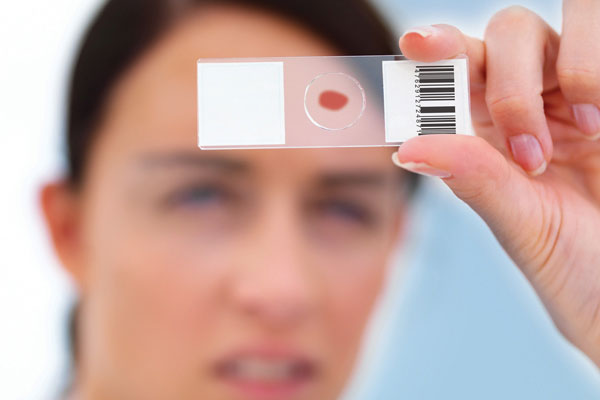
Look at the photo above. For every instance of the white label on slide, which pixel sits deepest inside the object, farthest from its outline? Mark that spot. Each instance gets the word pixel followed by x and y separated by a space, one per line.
pixel 240 104
pixel 425 98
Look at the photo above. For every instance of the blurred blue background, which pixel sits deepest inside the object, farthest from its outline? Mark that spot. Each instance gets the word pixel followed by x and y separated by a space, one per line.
pixel 457 321
pixel 469 15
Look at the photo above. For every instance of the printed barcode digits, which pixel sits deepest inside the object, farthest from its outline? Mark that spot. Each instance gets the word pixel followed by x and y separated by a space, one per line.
pixel 436 108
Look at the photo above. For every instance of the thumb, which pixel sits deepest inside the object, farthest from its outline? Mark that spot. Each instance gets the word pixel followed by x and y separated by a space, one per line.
pixel 483 178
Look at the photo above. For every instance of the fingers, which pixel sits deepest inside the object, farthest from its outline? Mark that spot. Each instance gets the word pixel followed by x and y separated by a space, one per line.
pixel 481 176
pixel 438 42
pixel 516 42
pixel 509 68
pixel 578 65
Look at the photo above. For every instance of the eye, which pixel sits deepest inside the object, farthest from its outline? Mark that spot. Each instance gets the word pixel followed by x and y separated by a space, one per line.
pixel 345 210
pixel 198 196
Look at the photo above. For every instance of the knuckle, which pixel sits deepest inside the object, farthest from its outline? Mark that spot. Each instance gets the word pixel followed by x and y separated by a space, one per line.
pixel 512 16
pixel 508 105
pixel 579 81
pixel 517 12
pixel 498 179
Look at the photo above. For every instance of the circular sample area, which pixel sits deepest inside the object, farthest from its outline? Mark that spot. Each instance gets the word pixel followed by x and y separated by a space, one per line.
pixel 334 101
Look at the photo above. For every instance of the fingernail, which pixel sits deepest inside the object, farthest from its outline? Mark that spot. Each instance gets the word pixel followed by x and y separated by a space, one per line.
pixel 421 168
pixel 587 117
pixel 423 31
pixel 527 152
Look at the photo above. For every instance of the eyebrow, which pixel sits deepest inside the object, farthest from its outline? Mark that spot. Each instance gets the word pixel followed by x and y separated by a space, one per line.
pixel 188 159
pixel 353 178
pixel 328 180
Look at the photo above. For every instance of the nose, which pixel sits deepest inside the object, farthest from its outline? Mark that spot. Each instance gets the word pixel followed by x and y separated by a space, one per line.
pixel 273 281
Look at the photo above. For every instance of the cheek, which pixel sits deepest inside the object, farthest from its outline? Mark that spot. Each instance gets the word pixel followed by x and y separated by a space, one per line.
pixel 352 297
pixel 162 284
pixel 352 292
pixel 152 298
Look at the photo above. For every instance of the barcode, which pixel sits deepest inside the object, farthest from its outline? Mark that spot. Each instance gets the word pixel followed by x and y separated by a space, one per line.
pixel 436 97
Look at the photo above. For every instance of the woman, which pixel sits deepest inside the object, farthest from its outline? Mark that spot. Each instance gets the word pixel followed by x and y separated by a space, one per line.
pixel 250 274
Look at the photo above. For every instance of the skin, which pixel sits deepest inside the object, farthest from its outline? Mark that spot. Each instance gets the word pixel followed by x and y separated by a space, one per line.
pixel 153 279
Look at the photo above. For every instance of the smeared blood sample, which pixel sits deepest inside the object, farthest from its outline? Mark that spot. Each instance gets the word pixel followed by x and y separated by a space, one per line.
pixel 332 100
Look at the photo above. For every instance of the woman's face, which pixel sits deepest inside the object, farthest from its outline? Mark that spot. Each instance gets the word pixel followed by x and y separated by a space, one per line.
pixel 242 274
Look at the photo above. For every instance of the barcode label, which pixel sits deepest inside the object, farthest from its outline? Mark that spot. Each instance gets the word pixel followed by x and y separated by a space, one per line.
pixel 425 99
pixel 436 97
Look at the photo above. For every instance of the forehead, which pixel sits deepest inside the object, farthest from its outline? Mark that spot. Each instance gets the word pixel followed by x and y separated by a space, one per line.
pixel 213 32
pixel 153 107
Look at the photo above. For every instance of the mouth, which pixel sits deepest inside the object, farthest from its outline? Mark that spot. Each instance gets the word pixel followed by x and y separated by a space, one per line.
pixel 264 376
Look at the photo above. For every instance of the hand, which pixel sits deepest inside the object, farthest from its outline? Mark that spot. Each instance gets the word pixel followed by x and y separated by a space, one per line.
pixel 533 170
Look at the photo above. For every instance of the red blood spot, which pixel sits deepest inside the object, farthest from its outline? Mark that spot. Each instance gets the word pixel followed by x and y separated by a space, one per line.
pixel 333 100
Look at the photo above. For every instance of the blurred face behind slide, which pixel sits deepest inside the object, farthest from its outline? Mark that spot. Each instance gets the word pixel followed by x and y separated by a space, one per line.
pixel 219 274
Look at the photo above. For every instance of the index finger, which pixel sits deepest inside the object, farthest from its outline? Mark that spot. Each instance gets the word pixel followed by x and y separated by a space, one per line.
pixel 438 42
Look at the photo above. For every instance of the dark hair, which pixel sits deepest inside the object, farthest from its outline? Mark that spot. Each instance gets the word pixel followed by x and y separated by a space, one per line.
pixel 125 28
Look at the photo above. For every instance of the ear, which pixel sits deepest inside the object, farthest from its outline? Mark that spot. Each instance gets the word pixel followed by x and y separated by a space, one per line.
pixel 60 206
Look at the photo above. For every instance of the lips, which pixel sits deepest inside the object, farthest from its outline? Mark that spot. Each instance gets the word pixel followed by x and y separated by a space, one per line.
pixel 266 375
pixel 264 370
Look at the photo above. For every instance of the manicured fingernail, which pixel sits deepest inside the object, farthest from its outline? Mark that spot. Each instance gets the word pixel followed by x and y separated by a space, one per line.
pixel 527 152
pixel 423 31
pixel 587 117
pixel 421 168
